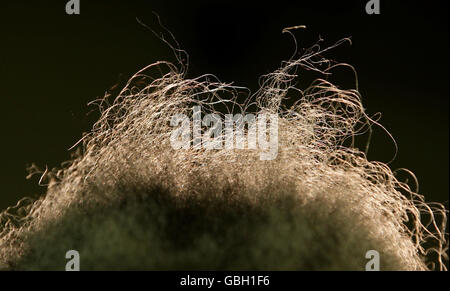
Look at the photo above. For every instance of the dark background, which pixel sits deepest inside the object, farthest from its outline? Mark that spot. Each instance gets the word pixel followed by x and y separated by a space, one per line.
pixel 52 64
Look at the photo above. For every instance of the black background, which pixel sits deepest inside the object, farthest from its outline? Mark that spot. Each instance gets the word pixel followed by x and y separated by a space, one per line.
pixel 52 64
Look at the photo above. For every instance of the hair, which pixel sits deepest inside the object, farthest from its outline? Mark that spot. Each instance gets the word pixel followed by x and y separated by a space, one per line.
pixel 128 200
